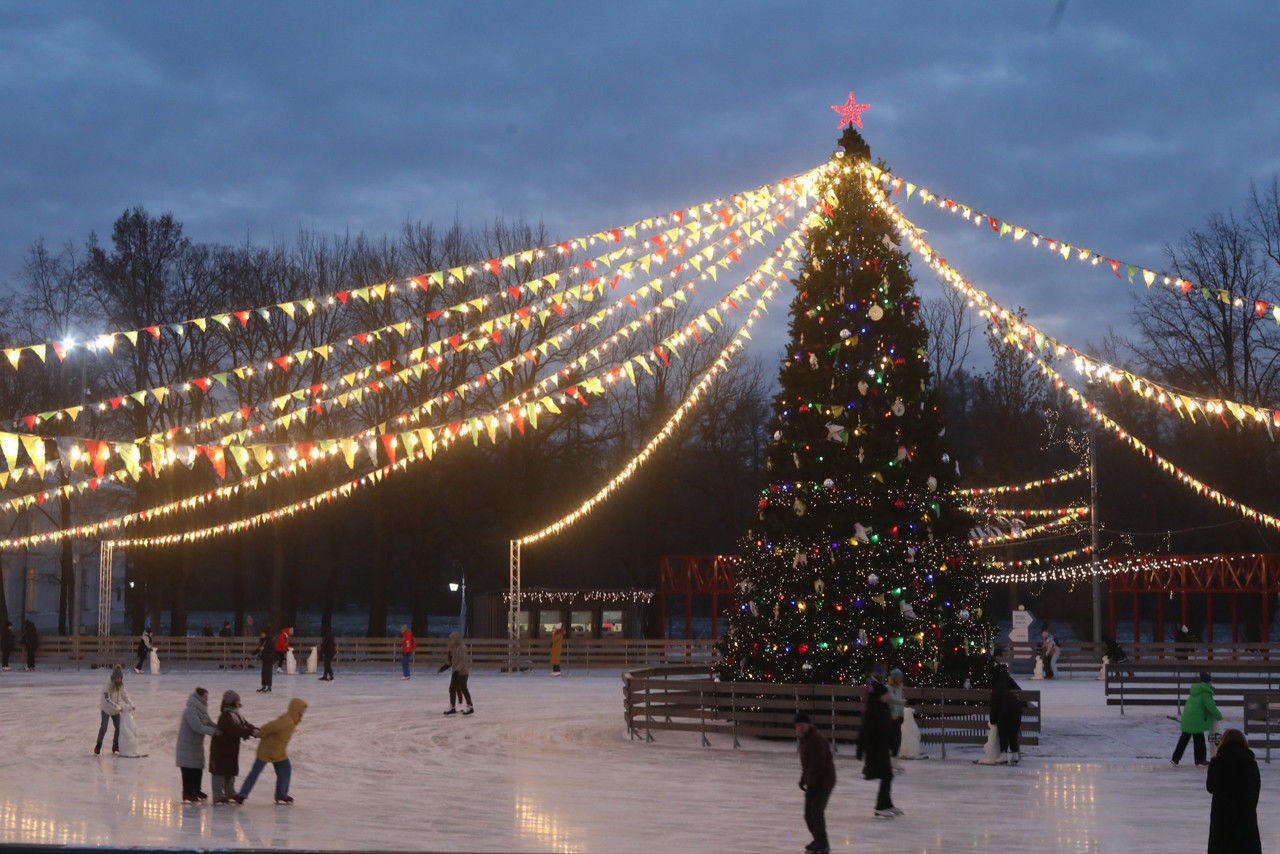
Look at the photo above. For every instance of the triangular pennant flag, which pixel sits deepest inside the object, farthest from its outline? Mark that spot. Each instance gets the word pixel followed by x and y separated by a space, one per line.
pixel 34 446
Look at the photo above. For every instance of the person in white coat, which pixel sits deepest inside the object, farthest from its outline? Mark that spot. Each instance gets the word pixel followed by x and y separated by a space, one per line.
pixel 114 701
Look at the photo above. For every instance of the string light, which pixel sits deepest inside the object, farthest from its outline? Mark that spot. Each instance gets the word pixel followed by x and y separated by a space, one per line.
pixel 1023 487
pixel 1023 533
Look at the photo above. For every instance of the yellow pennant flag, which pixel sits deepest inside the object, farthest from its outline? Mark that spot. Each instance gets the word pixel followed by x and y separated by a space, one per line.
pixel 9 444
pixel 34 446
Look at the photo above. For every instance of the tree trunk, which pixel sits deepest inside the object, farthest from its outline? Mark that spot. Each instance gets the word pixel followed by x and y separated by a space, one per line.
pixel 178 593
pixel 277 576
pixel 238 566
pixel 379 577
pixel 67 577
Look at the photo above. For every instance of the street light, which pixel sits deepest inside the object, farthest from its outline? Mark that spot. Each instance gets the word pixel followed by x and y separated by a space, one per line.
pixel 460 587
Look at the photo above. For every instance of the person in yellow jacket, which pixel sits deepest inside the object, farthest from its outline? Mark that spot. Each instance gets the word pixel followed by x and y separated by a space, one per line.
pixel 273 743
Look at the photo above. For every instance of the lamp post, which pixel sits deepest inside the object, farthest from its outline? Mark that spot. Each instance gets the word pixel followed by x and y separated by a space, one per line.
pixel 461 587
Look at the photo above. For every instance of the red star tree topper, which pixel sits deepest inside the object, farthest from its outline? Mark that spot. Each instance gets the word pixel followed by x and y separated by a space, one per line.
pixel 850 112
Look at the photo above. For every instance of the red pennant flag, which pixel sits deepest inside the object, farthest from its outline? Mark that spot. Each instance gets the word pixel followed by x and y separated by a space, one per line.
pixel 515 291
pixel 453 341
pixel 318 408
pixel 154 330
pixel 523 313
pixel 93 483
pixel 116 401
pixel 1186 286
pixel 97 455
pixel 590 265
pixel 389 442
pixel 362 338
pixel 615 235
pixel 631 298
pixel 147 466
pixel 558 308
pixel 663 354
pixel 283 362
pixel 435 363
pixel 244 413
pixel 217 457
pixel 342 296
pixel 515 416
pixel 1259 306
pixel 60 350
pixel 497 336
pixel 30 421
pixel 304 450
pixel 202 383
pixel 494 265
pixel 243 317
pixel 1115 267
pixel 726 215
pixel 420 281
pixel 679 215
pixel 384 366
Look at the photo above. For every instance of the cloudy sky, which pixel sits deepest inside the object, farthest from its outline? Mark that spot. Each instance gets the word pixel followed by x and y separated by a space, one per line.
pixel 1114 126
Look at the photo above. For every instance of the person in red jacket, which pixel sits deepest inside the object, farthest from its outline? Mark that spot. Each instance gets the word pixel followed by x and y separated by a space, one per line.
pixel 407 646
pixel 817 779
pixel 282 646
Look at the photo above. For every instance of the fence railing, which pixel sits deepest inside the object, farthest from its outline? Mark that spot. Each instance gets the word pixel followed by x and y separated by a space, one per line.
pixel 1148 682
pixel 1262 721
pixel 185 653
pixel 688 699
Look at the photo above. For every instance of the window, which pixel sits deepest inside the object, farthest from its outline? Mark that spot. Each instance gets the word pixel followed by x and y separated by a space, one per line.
pixel 611 623
pixel 581 622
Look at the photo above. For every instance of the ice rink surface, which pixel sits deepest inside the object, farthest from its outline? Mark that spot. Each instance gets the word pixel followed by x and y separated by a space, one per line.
pixel 546 765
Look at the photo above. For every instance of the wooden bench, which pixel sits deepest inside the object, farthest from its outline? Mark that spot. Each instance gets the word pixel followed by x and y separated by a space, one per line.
pixel 690 699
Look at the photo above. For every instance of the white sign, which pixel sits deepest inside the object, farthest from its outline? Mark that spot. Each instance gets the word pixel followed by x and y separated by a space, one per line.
pixel 1022 620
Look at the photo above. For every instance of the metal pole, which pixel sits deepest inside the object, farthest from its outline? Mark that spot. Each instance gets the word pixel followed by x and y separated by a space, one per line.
pixel 106 555
pixel 513 605
pixel 1096 584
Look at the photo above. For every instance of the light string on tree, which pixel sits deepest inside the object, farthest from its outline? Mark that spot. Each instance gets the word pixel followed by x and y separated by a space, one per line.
pixel 1065 250
pixel 107 341
pixel 950 275
pixel 99 452
pixel 566 597
pixel 1019 534
pixel 1043 560
pixel 978 509
pixel 426 438
pixel 1023 487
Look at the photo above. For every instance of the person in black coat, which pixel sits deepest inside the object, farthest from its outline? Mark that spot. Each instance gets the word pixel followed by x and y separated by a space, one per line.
pixel 7 643
pixel 1234 782
pixel 328 649
pixel 266 651
pixel 874 739
pixel 30 640
pixel 1006 712
pixel 817 779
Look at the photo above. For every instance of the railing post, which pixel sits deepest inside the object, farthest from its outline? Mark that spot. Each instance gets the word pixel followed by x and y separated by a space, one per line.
pixel 648 714
pixel 835 747
pixel 733 712
pixel 942 696
pixel 702 719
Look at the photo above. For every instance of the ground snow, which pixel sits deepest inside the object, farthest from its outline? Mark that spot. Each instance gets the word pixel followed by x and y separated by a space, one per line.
pixel 546 765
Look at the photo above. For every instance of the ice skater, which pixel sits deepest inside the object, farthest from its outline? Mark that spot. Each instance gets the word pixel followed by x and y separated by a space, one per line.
pixel 114 701
pixel 1234 782
pixel 224 748
pixel 557 648
pixel 31 642
pixel 7 643
pixel 407 646
pixel 1049 652
pixel 192 729
pixel 145 646
pixel 328 649
pixel 273 747
pixel 873 748
pixel 896 699
pixel 1198 716
pixel 1006 714
pixel 267 655
pixel 817 779
pixel 282 648
pixel 458 658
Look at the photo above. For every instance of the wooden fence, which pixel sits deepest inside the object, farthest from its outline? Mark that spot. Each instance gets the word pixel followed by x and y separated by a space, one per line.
pixel 193 653
pixel 688 699
pixel 1162 683
pixel 1262 722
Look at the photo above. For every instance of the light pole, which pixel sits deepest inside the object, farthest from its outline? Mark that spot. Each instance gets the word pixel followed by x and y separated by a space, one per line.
pixel 461 587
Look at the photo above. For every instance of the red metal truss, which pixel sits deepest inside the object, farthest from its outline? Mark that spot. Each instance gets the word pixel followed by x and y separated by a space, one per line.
pixel 690 574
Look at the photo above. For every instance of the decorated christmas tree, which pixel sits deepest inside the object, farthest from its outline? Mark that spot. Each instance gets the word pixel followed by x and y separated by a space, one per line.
pixel 859 553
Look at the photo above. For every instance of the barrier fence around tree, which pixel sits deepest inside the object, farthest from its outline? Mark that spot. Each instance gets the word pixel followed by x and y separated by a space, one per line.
pixel 688 699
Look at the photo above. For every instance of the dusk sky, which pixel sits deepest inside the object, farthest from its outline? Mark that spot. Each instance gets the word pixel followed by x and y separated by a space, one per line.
pixel 1113 126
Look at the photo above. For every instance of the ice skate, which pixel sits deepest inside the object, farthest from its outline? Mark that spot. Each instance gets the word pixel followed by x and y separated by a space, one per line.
pixel 451 711
pixel 286 800
pixel 97 749
pixel 885 813
pixel 469 711
pixel 896 811
pixel 1014 757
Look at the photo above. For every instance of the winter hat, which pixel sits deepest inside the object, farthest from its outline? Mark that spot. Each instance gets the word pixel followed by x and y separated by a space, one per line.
pixel 802 718
pixel 1204 676
pixel 895 673
pixel 229 699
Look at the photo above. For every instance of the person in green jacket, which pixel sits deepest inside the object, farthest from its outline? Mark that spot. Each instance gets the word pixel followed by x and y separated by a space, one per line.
pixel 1198 716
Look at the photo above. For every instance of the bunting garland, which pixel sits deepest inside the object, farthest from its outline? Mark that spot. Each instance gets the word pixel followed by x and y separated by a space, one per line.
pixel 107 341
pixel 432 439
pixel 1065 250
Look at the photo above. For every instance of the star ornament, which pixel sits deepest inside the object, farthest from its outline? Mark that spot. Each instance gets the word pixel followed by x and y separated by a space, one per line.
pixel 850 112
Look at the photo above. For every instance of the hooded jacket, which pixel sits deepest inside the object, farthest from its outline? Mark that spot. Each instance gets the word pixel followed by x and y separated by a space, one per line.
pixel 1200 711
pixel 274 737
pixel 195 725
pixel 459 654
pixel 224 748
pixel 115 698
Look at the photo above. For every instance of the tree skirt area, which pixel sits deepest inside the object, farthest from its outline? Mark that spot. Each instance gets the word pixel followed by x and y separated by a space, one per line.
pixel 546 765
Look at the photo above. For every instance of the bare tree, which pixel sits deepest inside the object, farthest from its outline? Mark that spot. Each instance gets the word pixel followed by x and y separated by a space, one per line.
pixel 951 331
